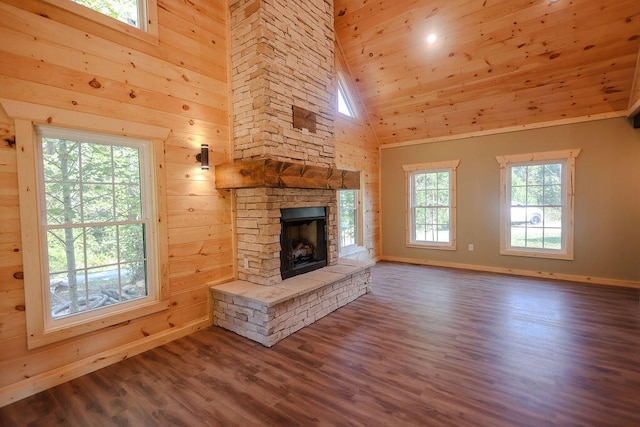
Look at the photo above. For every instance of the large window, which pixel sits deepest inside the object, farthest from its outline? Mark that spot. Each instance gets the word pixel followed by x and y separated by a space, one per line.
pixel 431 201
pixel 93 221
pixel 537 204
pixel 348 228
pixel 96 221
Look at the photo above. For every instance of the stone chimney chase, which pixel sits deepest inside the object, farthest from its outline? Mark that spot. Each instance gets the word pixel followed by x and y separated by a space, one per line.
pixel 282 57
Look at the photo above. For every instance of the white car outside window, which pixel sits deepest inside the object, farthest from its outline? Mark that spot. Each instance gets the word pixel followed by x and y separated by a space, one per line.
pixel 524 214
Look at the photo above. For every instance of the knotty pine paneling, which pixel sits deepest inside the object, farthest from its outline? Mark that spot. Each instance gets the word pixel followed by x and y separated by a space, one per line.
pixel 29 365
pixel 356 148
pixel 486 52
pixel 11 287
pixel 180 83
pixel 634 100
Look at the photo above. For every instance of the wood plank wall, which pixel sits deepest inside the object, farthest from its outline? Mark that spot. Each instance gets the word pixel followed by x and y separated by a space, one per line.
pixel 49 56
pixel 634 98
pixel 357 148
pixel 500 64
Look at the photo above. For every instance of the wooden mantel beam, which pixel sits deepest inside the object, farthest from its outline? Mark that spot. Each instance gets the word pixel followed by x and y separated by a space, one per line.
pixel 280 174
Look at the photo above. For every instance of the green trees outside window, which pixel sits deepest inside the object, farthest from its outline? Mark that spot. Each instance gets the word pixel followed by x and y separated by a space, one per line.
pixel 348 213
pixel 431 206
pixel 536 208
pixel 127 11
pixel 94 220
pixel 537 203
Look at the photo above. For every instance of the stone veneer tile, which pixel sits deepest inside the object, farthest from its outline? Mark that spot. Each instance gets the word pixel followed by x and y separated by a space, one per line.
pixel 237 287
pixel 274 69
pixel 259 248
pixel 343 268
pixel 323 275
pixel 354 262
pixel 268 314
pixel 301 284
pixel 269 295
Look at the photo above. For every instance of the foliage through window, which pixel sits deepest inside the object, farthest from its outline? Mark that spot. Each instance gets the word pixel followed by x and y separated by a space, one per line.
pixel 537 213
pixel 348 213
pixel 432 206
pixel 130 12
pixel 95 221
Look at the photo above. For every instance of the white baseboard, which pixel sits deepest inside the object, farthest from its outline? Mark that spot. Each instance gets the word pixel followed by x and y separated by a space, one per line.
pixel 518 272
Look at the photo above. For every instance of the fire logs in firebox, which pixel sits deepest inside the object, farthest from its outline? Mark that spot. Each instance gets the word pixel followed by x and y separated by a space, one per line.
pixel 302 251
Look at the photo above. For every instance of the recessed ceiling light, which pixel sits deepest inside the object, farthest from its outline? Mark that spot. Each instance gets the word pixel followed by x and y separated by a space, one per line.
pixel 431 38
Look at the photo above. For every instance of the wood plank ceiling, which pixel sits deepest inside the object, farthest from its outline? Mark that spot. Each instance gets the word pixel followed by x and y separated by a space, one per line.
pixel 495 63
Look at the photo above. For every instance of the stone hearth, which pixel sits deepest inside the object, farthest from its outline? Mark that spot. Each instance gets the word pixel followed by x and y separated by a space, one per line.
pixel 268 314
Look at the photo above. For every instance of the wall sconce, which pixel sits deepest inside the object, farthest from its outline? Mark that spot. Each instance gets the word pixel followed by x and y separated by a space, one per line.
pixel 203 156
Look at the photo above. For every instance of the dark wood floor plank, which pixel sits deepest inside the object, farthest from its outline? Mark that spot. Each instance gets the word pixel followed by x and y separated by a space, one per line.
pixel 427 346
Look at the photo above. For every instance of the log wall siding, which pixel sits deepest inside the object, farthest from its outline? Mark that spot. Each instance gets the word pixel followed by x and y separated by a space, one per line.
pixel 49 56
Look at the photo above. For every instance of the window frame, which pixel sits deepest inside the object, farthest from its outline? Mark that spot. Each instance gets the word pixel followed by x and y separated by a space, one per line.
pixel 26 117
pixel 357 245
pixel 342 89
pixel 450 166
pixel 506 162
pixel 148 211
pixel 148 30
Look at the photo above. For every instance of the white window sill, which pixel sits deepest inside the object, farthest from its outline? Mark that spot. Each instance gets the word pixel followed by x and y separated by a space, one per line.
pixel 441 247
pixel 537 254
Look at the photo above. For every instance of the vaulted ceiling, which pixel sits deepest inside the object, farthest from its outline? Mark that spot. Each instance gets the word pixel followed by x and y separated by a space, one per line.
pixel 495 63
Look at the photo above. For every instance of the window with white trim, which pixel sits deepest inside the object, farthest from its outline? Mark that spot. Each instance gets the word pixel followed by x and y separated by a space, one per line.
pixel 94 237
pixel 431 204
pixel 348 226
pixel 537 204
pixel 344 101
pixel 138 18
pixel 96 221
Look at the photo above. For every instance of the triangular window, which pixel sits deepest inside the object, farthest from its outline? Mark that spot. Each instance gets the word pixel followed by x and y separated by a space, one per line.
pixel 344 106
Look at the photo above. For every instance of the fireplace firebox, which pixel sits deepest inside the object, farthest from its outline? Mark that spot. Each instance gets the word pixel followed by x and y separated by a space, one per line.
pixel 303 240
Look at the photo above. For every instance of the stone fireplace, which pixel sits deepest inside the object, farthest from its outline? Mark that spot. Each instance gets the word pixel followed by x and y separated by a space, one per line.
pixel 282 55
pixel 259 227
pixel 283 126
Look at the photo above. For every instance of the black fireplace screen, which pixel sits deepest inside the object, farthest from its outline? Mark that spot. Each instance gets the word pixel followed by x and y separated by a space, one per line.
pixel 303 240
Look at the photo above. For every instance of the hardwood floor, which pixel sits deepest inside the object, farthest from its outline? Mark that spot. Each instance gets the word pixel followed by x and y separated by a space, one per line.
pixel 427 347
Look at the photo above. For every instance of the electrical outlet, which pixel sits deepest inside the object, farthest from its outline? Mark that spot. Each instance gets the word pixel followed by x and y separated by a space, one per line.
pixel 470 247
pixel 246 263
